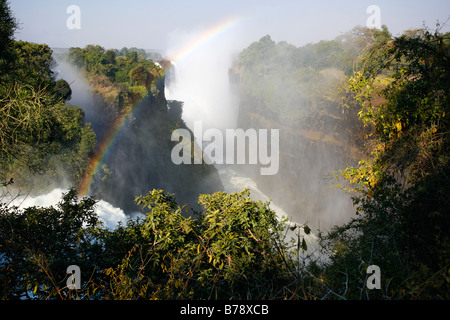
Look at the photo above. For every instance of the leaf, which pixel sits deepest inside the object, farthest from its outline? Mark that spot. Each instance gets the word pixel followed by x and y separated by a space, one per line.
pixel 304 246
pixel 306 229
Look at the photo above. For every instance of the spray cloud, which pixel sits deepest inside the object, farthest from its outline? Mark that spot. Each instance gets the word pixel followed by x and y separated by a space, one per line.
pixel 202 60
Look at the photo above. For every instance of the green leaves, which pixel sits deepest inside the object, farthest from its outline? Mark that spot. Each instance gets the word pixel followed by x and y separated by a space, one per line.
pixel 403 92
pixel 231 241
pixel 38 244
pixel 39 133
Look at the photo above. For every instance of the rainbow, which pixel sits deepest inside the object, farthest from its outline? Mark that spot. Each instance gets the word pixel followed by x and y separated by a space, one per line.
pixel 101 151
pixel 112 134
pixel 205 37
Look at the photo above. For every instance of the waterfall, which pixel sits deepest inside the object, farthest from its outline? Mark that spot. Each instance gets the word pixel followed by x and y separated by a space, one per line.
pixel 201 81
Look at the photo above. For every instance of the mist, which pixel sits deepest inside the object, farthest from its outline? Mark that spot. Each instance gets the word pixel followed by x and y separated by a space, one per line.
pixel 208 82
pixel 200 79
pixel 83 96
pixel 208 79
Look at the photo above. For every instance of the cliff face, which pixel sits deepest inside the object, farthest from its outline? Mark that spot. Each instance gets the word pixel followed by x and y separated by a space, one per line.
pixel 308 160
pixel 139 156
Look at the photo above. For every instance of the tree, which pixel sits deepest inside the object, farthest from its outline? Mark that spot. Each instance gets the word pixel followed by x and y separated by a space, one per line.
pixel 77 56
pixel 36 126
pixel 110 57
pixel 94 58
pixel 132 56
pixel 8 25
pixel 38 244
pixel 123 51
pixel 233 249
pixel 62 89
pixel 36 131
pixel 30 63
pixel 140 76
pixel 400 193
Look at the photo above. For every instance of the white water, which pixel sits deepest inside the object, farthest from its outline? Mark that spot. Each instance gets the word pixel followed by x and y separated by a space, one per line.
pixel 233 182
pixel 200 80
pixel 110 216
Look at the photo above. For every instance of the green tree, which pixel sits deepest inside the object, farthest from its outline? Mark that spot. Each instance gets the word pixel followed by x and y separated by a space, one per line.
pixel 132 56
pixel 38 244
pixel 140 76
pixel 8 25
pixel 401 189
pixel 123 51
pixel 62 89
pixel 77 56
pixel 34 120
pixel 233 249
pixel 31 64
pixel 94 58
pixel 41 135
pixel 110 57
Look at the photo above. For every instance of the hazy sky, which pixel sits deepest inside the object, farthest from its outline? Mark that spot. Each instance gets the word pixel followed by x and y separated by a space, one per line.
pixel 149 23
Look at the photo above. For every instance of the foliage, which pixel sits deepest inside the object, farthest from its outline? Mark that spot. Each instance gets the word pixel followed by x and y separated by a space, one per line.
pixel 122 78
pixel 401 189
pixel 62 90
pixel 41 135
pixel 33 64
pixel 39 132
pixel 8 25
pixel 115 65
pixel 229 251
pixel 233 249
pixel 37 243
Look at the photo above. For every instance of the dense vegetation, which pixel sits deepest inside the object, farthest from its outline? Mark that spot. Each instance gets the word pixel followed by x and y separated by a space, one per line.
pixel 402 188
pixel 43 139
pixel 232 247
pixel 124 80
pixel 387 98
pixel 221 254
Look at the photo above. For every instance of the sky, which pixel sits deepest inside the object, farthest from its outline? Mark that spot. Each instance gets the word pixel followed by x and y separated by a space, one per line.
pixel 151 24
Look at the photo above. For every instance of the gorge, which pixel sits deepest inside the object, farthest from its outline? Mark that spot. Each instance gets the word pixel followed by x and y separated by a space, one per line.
pixel 239 162
pixel 139 156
